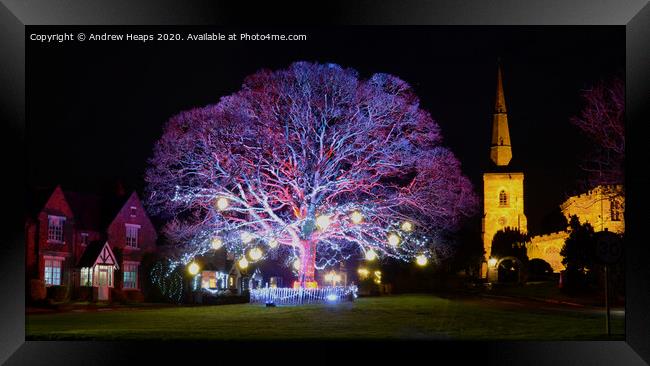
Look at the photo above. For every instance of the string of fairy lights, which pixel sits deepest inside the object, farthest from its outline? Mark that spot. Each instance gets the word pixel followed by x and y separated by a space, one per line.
pixel 354 226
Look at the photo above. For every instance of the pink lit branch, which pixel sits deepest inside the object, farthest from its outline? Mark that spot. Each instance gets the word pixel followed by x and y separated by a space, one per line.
pixel 305 146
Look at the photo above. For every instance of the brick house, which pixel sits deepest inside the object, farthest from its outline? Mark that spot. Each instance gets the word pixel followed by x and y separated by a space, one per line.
pixel 82 240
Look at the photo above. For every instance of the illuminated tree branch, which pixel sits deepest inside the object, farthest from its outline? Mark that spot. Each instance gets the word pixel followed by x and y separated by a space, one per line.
pixel 290 157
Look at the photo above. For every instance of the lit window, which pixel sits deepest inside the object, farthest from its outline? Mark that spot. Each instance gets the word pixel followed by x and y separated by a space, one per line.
pixel 84 238
pixel 52 271
pixel 503 198
pixel 55 228
pixel 209 279
pixel 615 210
pixel 133 209
pixel 86 277
pixel 132 235
pixel 130 275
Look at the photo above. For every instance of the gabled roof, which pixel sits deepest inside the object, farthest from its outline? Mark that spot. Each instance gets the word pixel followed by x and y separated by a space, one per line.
pixel 118 205
pixel 88 210
pixel 91 211
pixel 97 252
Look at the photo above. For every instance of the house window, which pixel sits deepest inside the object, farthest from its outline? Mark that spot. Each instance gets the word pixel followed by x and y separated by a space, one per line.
pixel 503 198
pixel 209 279
pixel 132 235
pixel 52 271
pixel 86 277
pixel 133 209
pixel 55 228
pixel 130 275
pixel 84 238
pixel 615 210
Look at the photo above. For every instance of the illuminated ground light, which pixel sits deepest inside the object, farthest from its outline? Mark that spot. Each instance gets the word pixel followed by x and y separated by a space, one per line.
pixel 393 239
pixel 332 297
pixel 246 237
pixel 216 243
pixel 296 264
pixel 222 203
pixel 371 255
pixel 356 217
pixel 492 262
pixel 255 254
pixel 322 222
pixel 193 268
pixel 273 243
pixel 243 263
pixel 407 226
pixel 421 260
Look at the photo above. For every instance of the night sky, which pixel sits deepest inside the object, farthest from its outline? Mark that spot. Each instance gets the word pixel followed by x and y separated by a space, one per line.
pixel 95 109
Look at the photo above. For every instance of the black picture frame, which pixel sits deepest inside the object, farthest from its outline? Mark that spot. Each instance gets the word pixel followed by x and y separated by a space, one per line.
pixel 16 14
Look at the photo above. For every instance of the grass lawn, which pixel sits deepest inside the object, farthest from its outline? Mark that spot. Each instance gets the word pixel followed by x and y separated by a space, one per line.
pixel 394 317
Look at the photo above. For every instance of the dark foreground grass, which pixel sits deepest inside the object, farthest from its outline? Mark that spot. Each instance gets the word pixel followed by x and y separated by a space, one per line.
pixel 395 317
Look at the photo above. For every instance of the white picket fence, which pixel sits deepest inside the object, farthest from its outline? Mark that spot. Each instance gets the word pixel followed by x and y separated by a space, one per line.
pixel 291 296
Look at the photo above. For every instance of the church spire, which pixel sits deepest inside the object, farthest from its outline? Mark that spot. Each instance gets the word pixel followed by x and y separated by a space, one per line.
pixel 500 150
pixel 500 103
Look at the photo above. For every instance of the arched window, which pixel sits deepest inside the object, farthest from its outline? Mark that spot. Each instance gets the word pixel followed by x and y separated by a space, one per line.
pixel 503 198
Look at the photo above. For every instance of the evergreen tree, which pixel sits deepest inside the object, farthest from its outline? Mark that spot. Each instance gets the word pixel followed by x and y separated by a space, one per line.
pixel 510 242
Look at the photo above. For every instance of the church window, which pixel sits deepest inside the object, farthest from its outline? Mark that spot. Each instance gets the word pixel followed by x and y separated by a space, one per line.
pixel 615 210
pixel 503 198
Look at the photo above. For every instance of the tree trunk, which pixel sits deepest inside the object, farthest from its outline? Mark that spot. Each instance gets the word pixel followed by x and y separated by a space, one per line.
pixel 307 262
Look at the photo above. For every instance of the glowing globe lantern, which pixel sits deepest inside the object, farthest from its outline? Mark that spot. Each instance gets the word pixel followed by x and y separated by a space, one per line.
pixel 378 277
pixel 273 243
pixel 193 268
pixel 216 243
pixel 394 239
pixel 363 273
pixel 255 254
pixel 421 260
pixel 356 217
pixel 407 226
pixel 322 222
pixel 246 237
pixel 243 263
pixel 222 203
pixel 371 255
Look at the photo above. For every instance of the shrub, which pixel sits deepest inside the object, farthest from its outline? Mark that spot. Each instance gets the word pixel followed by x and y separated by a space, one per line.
pixel 117 296
pixel 134 296
pixel 37 290
pixel 57 293
pixel 83 293
pixel 225 299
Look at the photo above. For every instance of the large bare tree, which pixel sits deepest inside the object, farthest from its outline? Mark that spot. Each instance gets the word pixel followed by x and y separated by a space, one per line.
pixel 602 121
pixel 312 159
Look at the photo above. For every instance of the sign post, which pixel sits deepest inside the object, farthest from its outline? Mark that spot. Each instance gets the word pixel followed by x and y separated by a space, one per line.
pixel 608 249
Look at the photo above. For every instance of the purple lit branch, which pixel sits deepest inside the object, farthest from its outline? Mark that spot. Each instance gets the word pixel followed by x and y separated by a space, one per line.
pixel 312 141
pixel 602 121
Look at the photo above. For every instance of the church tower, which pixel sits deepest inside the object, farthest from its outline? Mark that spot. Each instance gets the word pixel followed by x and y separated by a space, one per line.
pixel 503 188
